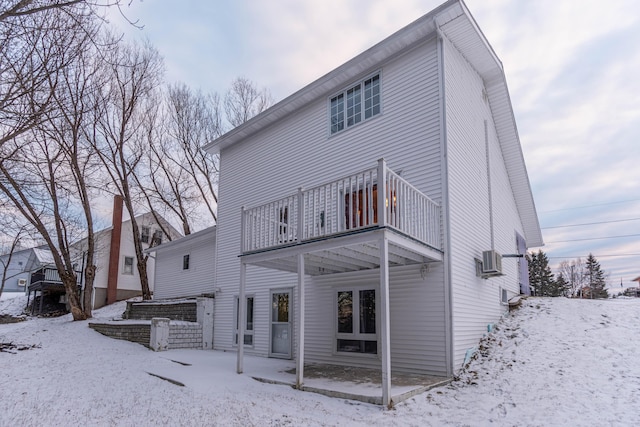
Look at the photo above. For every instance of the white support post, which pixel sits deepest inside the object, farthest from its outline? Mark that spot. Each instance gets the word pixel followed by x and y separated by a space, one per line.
pixel 385 329
pixel 382 193
pixel 300 352
pixel 241 316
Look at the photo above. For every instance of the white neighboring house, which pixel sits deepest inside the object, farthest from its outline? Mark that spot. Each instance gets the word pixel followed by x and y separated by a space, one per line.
pixel 117 276
pixel 341 257
pixel 185 267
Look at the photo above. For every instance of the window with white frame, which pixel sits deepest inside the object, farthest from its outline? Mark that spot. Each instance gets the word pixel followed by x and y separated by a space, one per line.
pixel 355 104
pixel 356 321
pixel 248 329
pixel 128 265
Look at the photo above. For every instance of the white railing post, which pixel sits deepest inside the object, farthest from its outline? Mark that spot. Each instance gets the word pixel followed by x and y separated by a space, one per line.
pixel 243 242
pixel 382 192
pixel 300 228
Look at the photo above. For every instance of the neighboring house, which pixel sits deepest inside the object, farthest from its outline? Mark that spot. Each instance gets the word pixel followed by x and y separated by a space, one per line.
pixel 117 276
pixel 340 257
pixel 23 263
pixel 185 267
pixel 32 271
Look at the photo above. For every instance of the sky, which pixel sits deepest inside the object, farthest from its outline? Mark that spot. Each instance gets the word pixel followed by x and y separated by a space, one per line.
pixel 533 370
pixel 572 68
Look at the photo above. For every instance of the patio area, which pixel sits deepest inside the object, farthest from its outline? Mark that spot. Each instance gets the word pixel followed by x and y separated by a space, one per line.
pixel 360 384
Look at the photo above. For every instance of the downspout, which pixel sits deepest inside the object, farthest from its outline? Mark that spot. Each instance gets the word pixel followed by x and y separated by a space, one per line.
pixel 486 147
pixel 444 178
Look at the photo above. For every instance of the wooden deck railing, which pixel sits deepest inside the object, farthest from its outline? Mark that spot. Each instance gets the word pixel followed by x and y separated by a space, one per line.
pixel 343 205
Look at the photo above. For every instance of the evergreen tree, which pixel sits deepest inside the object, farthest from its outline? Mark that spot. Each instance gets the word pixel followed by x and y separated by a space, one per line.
pixel 596 278
pixel 540 276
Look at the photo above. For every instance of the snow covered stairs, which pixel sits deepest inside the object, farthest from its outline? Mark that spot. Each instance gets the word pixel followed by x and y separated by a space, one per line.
pixel 163 325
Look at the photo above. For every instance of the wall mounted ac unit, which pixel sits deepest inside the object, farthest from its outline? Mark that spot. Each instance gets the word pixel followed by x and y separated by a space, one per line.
pixel 491 263
pixel 22 282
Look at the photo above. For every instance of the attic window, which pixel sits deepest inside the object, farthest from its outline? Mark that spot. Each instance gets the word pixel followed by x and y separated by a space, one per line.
pixel 355 104
pixel 144 234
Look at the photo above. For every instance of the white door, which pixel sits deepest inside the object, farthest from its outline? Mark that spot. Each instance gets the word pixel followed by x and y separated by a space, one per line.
pixel 281 330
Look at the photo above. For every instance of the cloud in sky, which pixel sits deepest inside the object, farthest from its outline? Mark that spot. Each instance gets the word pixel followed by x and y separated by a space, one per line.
pixel 572 67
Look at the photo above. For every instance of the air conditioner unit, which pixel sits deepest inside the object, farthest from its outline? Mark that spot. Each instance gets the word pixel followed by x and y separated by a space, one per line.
pixel 491 263
pixel 22 282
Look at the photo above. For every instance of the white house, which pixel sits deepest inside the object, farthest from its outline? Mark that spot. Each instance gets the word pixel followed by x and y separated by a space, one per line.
pixel 361 219
pixel 117 276
pixel 185 267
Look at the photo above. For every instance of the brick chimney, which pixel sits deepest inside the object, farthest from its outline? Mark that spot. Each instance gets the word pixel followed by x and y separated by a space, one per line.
pixel 114 250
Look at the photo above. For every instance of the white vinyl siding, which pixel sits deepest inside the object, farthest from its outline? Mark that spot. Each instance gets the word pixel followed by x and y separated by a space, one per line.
pixel 475 302
pixel 417 319
pixel 173 281
pixel 408 137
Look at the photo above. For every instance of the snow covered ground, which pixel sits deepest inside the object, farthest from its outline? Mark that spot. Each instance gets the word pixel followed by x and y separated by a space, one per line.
pixel 554 362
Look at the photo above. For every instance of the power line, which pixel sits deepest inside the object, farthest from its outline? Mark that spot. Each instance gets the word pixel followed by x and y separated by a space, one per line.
pixel 597 256
pixel 595 238
pixel 591 206
pixel 591 223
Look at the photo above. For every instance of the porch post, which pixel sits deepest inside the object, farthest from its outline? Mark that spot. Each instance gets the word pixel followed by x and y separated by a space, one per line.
pixel 241 316
pixel 384 322
pixel 300 321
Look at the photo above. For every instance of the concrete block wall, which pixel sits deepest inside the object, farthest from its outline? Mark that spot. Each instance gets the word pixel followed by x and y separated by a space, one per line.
pixel 138 333
pixel 178 310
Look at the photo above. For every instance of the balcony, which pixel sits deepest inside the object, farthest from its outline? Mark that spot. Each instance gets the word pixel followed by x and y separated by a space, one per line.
pixel 335 220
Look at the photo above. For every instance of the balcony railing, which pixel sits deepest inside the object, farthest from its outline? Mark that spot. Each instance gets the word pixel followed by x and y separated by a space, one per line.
pixel 344 205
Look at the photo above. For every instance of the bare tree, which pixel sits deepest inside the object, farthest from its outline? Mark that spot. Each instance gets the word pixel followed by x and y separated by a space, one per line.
pixel 181 176
pixel 69 126
pixel 244 100
pixel 30 55
pixel 37 177
pixel 575 273
pixel 135 73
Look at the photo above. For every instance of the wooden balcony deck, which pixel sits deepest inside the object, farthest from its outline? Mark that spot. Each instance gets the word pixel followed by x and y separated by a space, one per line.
pixel 338 220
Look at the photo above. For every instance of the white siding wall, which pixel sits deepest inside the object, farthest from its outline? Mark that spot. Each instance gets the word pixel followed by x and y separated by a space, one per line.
pixel 475 302
pixel 172 281
pixel 298 151
pixel 416 305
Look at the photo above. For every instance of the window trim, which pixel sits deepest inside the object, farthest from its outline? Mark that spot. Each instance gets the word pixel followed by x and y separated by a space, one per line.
pixel 247 332
pixel 344 110
pixel 356 335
